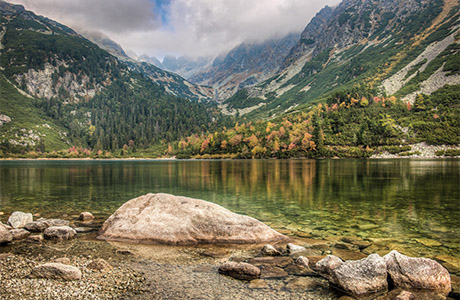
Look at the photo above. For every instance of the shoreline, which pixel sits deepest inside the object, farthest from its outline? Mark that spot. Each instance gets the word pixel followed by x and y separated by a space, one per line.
pixel 417 151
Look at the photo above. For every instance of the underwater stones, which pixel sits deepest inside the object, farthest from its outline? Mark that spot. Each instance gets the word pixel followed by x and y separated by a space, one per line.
pixel 56 271
pixel 37 238
pixel 99 264
pixel 429 242
pixel 452 264
pixel 269 250
pixel 59 233
pixel 303 283
pixel 169 219
pixel 19 219
pixel 258 284
pixel 278 261
pixel 417 273
pixel 272 272
pixel 240 270
pixel 348 254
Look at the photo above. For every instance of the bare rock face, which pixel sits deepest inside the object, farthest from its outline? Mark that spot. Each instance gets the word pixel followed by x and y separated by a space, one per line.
pixel 417 273
pixel 358 277
pixel 240 270
pixel 5 235
pixel 19 219
pixel 169 219
pixel 59 233
pixel 56 271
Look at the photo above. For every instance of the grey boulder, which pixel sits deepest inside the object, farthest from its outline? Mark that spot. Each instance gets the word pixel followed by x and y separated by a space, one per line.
pixel 417 273
pixel 169 219
pixel 19 219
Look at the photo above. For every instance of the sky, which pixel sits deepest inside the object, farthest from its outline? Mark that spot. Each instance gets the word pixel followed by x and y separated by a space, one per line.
pixel 181 27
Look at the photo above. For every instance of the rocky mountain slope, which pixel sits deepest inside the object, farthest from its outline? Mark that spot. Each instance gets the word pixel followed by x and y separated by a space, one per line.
pixel 403 47
pixel 29 40
pixel 58 89
pixel 245 65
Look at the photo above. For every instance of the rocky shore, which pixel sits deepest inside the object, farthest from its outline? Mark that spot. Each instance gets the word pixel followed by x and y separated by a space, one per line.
pixel 420 150
pixel 44 258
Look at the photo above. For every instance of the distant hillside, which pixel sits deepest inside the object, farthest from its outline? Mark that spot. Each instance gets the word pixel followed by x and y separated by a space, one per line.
pixel 245 65
pixel 400 47
pixel 53 78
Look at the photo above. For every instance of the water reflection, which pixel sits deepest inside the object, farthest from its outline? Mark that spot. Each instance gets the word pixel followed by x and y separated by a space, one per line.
pixel 402 199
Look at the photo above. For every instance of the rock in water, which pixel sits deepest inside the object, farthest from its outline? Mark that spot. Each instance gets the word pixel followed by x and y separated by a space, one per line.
pixel 269 250
pixel 19 219
pixel 358 277
pixel 169 219
pixel 59 233
pixel 56 271
pixel 5 235
pixel 241 270
pixel 326 266
pixel 86 216
pixel 417 273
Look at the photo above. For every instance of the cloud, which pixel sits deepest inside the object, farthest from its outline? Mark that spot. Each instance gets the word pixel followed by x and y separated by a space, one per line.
pixel 110 16
pixel 193 27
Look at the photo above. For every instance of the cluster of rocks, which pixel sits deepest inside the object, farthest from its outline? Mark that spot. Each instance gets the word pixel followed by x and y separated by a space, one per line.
pixel 408 276
pixel 21 226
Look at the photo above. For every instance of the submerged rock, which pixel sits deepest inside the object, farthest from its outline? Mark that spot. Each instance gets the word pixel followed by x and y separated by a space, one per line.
pixel 417 273
pixel 56 271
pixel 86 216
pixel 169 219
pixel 240 270
pixel 292 248
pixel 269 250
pixel 303 283
pixel 41 224
pixel 99 264
pixel 5 235
pixel 19 219
pixel 59 233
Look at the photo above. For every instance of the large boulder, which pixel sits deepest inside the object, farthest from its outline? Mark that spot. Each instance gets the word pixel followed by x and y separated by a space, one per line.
pixel 59 233
pixel 164 218
pixel 5 235
pixel 19 219
pixel 326 266
pixel 364 276
pixel 240 270
pixel 417 273
pixel 56 271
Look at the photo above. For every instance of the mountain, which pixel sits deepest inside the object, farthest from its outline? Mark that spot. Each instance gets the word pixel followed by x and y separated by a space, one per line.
pixel 104 42
pixel 401 47
pixel 245 65
pixel 58 88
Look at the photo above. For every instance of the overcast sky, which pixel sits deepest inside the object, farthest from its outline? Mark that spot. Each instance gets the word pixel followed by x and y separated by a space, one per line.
pixel 181 27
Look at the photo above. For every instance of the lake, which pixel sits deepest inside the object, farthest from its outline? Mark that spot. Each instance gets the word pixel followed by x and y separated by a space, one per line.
pixel 405 204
